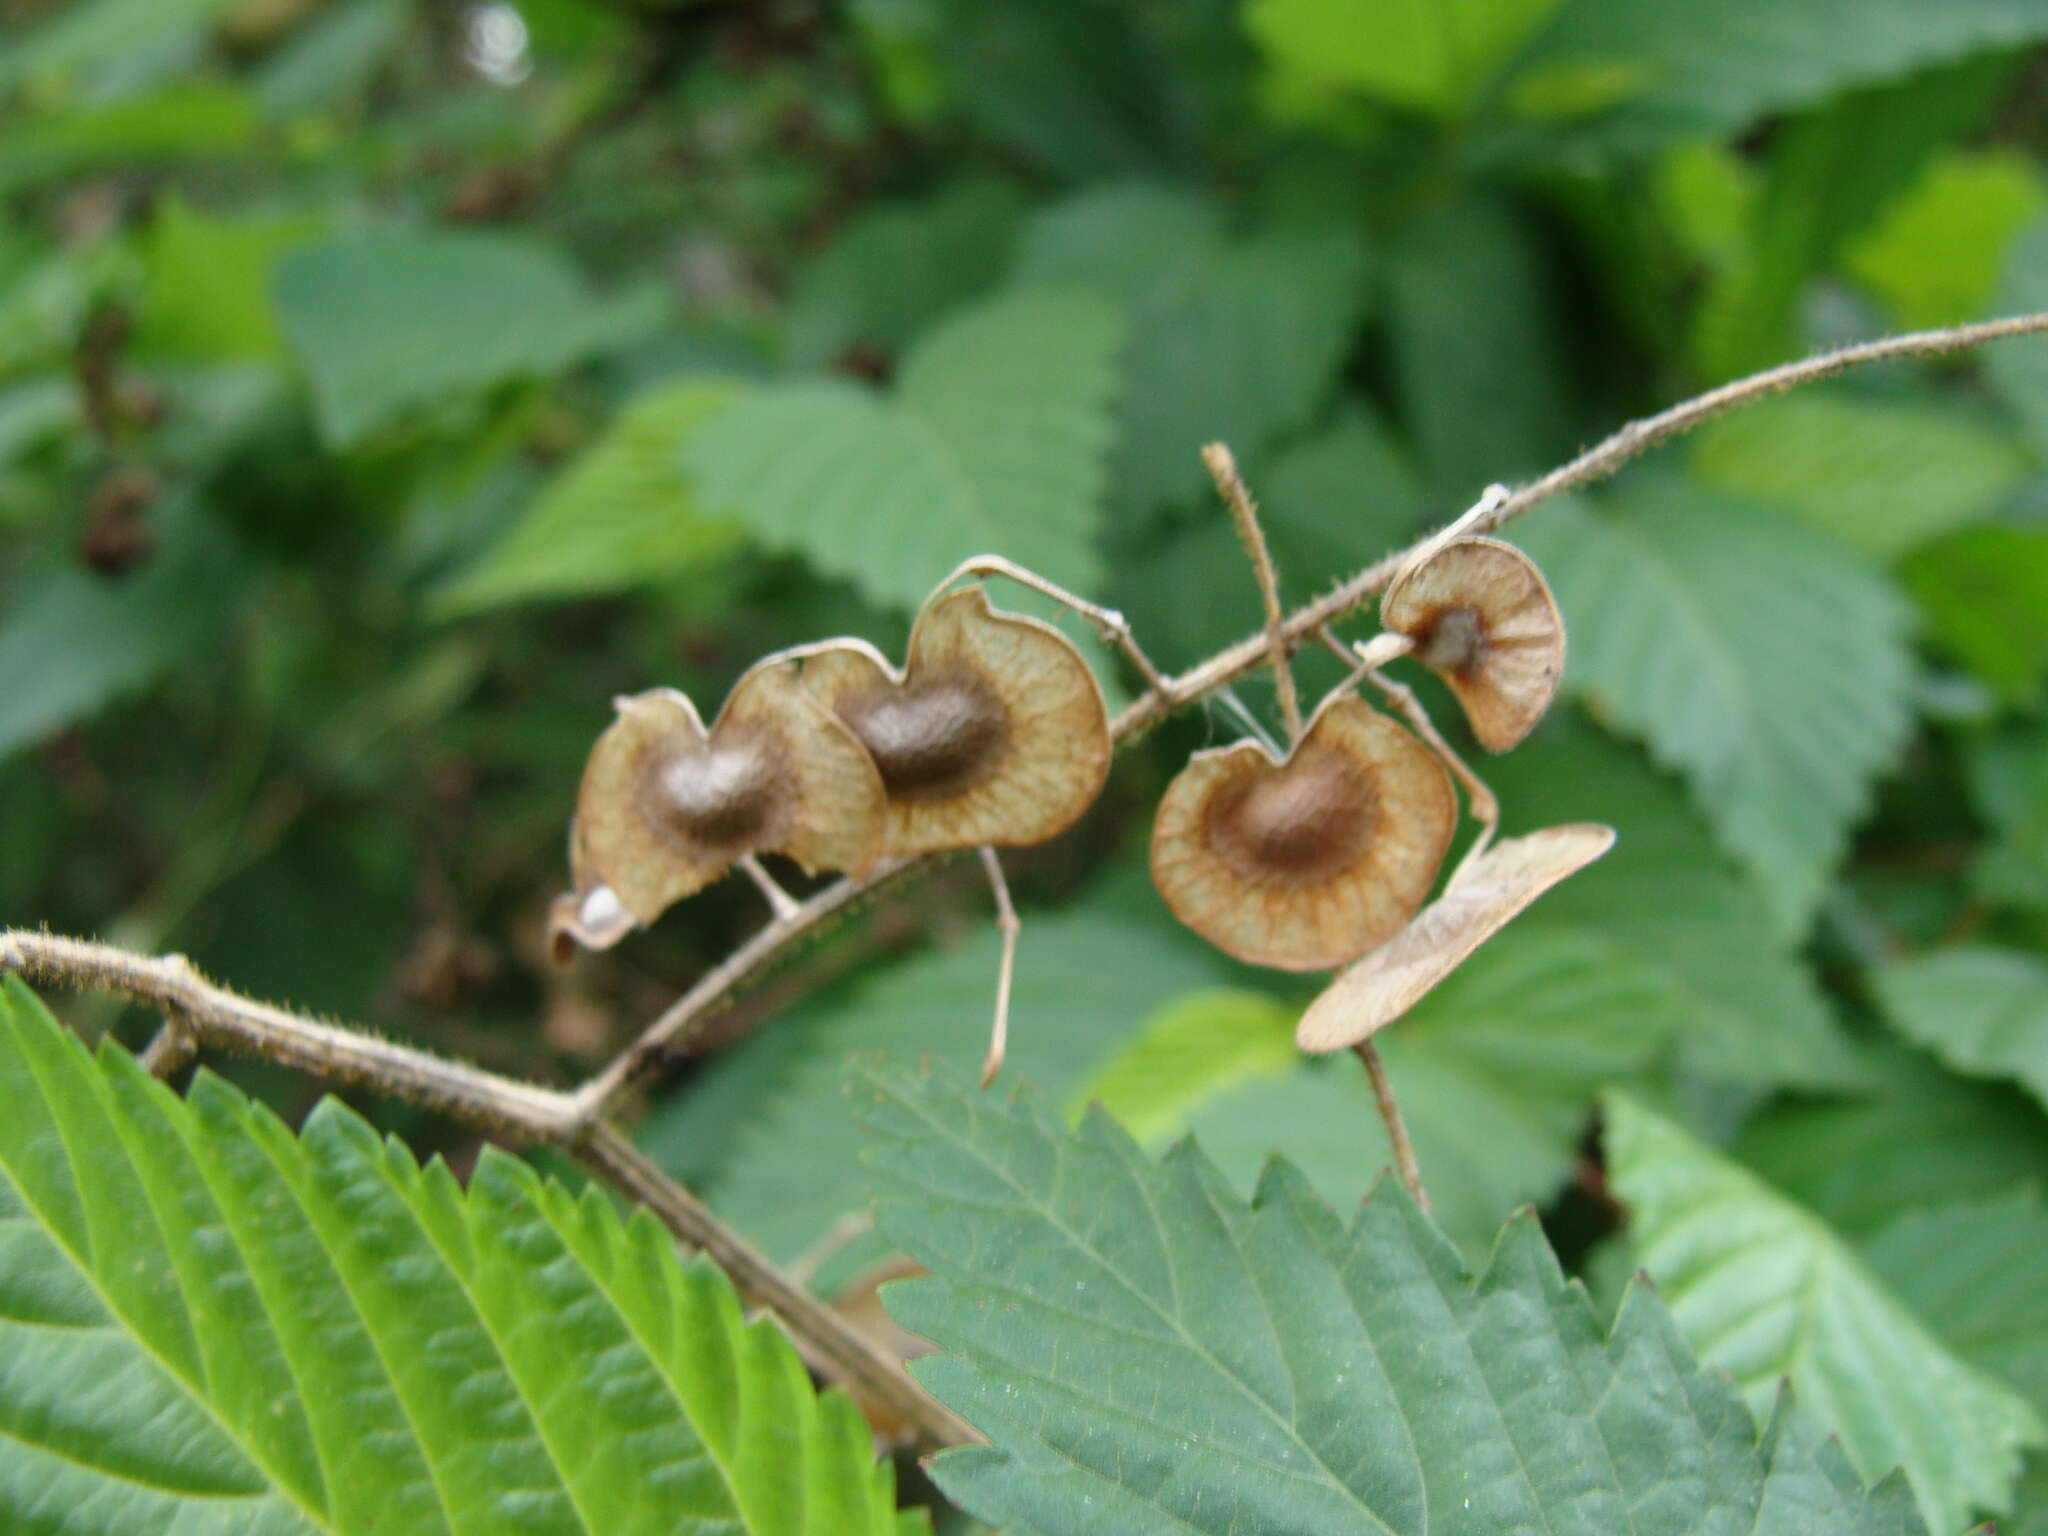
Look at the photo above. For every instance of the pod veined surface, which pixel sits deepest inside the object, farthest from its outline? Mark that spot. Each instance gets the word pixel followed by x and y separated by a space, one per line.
pixel 666 805
pixel 994 733
pixel 1307 862
pixel 1482 618
pixel 1480 900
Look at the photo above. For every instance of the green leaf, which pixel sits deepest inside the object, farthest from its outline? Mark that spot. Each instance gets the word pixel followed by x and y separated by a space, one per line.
pixel 765 1130
pixel 2008 778
pixel 1427 55
pixel 179 122
pixel 898 267
pixel 212 1325
pixel 1197 1046
pixel 1984 595
pixel 1917 1138
pixel 1983 1011
pixel 208 280
pixel 81 37
pixel 1685 70
pixel 1478 355
pixel 332 57
pixel 1237 340
pixel 1936 257
pixel 1078 86
pixel 993 440
pixel 1765 1290
pixel 1518 1040
pixel 1666 900
pixel 1883 475
pixel 390 322
pixel 2018 369
pixel 1977 1273
pixel 621 515
pixel 1149 1353
pixel 1765 662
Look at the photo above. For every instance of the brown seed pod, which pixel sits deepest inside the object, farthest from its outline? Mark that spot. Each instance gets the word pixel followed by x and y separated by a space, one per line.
pixel 1309 862
pixel 667 806
pixel 1482 618
pixel 1481 899
pixel 994 734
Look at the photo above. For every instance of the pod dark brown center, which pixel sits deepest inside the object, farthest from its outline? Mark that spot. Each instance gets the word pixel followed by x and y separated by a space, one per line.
pixel 931 738
pixel 1303 821
pixel 723 795
pixel 1454 641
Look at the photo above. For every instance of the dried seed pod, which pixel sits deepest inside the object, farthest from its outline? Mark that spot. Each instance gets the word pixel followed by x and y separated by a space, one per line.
pixel 667 806
pixel 1309 862
pixel 1481 899
pixel 1482 618
pixel 994 734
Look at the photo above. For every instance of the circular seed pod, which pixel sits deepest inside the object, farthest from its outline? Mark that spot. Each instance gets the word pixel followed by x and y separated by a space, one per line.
pixel 666 806
pixel 1308 862
pixel 1481 900
pixel 993 734
pixel 1482 618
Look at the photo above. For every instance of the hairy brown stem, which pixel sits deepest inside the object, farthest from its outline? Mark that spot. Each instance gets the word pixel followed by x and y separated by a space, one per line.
pixel 1237 496
pixel 1397 1128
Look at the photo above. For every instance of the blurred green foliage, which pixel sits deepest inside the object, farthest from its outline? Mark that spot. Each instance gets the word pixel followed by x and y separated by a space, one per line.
pixel 385 384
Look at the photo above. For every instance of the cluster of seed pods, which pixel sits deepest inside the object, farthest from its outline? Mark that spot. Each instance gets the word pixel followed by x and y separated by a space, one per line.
pixel 994 734
pixel 1323 857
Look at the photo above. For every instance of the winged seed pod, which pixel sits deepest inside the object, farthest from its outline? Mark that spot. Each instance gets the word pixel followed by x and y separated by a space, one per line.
pixel 1482 618
pixel 994 734
pixel 1480 900
pixel 1307 862
pixel 667 806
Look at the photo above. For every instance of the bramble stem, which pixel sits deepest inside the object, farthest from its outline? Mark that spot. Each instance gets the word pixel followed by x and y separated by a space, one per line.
pixel 1397 1128
pixel 1245 513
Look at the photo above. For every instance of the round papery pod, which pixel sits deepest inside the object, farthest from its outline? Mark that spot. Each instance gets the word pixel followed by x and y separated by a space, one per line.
pixel 666 806
pixel 1481 899
pixel 1482 618
pixel 994 733
pixel 1308 862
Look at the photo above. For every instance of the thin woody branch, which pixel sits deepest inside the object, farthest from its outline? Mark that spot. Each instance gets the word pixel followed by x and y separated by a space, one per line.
pixel 200 1013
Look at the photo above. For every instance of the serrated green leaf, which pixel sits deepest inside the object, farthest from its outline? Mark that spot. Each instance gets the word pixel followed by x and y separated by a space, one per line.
pixel 2018 369
pixel 1237 340
pixel 1936 257
pixel 1918 1137
pixel 1427 55
pixel 1198 1046
pixel 620 515
pixel 1765 1290
pixel 1664 898
pixel 1883 475
pixel 1983 1011
pixel 211 1325
pixel 993 440
pixel 765 1130
pixel 900 267
pixel 2008 778
pixel 1149 1353
pixel 1984 595
pixel 1496 1072
pixel 1976 1272
pixel 1765 662
pixel 1684 70
pixel 387 323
